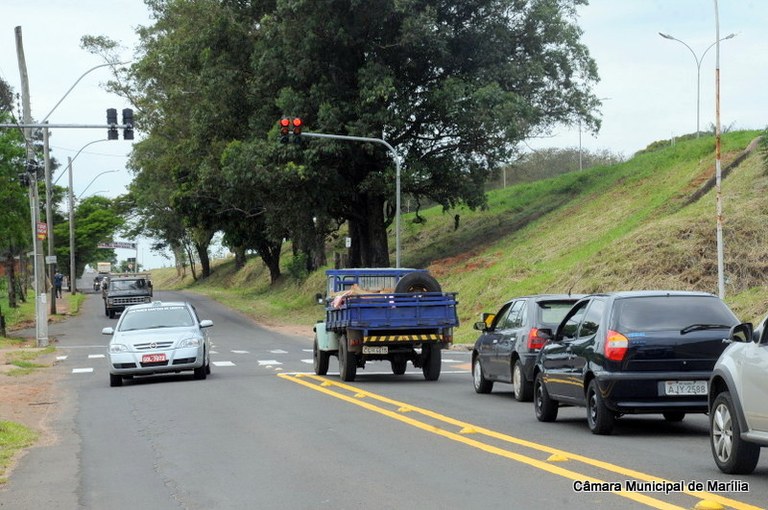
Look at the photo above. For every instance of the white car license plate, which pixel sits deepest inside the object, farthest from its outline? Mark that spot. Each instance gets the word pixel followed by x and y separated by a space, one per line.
pixel 685 387
pixel 153 358
pixel 375 350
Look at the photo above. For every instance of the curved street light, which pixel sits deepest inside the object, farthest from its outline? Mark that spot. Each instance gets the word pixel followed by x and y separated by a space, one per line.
pixel 698 68
pixel 94 179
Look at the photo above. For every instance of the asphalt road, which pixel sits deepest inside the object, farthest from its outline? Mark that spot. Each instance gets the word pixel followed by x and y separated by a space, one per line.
pixel 263 432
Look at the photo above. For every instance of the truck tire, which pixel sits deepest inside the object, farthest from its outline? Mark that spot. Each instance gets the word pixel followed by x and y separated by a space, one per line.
pixel 320 359
pixel 347 362
pixel 432 362
pixel 111 314
pixel 417 282
pixel 398 365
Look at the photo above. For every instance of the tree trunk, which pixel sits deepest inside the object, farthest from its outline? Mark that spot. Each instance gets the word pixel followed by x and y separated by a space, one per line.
pixel 10 272
pixel 205 261
pixel 240 259
pixel 270 254
pixel 369 235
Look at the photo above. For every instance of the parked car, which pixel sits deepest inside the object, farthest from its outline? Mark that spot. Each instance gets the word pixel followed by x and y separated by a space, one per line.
pixel 738 400
pixel 158 337
pixel 509 341
pixel 640 352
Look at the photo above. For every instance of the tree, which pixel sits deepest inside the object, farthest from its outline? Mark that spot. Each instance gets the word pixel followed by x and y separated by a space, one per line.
pixel 452 86
pixel 14 213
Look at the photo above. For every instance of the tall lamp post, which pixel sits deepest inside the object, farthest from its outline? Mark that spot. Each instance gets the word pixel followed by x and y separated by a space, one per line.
pixel 698 69
pixel 72 265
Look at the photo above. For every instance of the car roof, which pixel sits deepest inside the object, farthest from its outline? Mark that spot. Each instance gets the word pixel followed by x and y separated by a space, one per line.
pixel 652 293
pixel 158 304
pixel 544 297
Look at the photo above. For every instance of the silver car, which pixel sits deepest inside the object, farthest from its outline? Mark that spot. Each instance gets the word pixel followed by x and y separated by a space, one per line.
pixel 738 400
pixel 159 337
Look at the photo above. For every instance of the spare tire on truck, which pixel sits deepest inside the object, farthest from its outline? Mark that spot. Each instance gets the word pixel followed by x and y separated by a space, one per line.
pixel 419 281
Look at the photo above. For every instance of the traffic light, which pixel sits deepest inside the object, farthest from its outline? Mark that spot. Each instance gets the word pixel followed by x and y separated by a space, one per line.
pixel 285 124
pixel 112 122
pixel 296 127
pixel 128 123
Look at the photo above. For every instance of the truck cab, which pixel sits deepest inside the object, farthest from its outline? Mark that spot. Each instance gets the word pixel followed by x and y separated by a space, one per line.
pixel 121 291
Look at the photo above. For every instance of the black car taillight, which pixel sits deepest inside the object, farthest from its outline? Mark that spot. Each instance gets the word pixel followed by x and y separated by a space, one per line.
pixel 616 346
pixel 534 340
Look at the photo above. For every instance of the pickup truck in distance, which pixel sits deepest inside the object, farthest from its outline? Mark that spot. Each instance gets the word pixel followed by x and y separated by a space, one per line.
pixel 399 315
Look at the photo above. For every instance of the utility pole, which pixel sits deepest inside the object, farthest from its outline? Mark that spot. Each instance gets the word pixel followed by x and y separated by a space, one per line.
pixel 49 217
pixel 41 317
pixel 72 265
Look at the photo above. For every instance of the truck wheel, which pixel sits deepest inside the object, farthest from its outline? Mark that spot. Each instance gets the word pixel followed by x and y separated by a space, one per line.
pixel 111 314
pixel 320 359
pixel 398 365
pixel 347 362
pixel 432 362
pixel 106 310
pixel 417 282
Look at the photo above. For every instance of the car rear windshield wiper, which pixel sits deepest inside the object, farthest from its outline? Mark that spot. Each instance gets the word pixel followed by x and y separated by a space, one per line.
pixel 699 327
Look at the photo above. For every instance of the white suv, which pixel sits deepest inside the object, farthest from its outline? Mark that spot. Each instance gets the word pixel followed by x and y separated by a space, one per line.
pixel 738 400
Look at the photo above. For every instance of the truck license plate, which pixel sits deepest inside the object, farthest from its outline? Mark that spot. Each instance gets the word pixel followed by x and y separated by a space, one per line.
pixel 375 350
pixel 153 358
pixel 685 387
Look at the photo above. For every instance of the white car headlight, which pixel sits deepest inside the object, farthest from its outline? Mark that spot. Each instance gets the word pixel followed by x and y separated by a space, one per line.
pixel 117 348
pixel 190 342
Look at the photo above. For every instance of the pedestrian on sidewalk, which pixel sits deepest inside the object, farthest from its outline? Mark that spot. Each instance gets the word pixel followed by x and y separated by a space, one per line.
pixel 58 278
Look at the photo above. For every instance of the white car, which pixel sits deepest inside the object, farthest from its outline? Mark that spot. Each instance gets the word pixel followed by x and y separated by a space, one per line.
pixel 159 337
pixel 738 400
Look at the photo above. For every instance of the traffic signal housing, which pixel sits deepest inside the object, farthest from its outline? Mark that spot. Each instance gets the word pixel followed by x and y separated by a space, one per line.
pixel 127 124
pixel 112 122
pixel 285 129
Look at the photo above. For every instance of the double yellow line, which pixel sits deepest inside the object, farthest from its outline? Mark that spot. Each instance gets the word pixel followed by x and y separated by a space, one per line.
pixel 463 431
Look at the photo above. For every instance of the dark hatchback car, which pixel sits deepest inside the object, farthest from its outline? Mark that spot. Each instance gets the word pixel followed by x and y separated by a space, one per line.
pixel 640 352
pixel 509 343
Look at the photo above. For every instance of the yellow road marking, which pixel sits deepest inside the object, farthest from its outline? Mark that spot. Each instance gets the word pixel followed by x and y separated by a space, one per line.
pixel 572 475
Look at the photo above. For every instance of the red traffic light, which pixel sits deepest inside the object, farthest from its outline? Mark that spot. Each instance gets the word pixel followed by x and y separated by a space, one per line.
pixel 285 122
pixel 297 122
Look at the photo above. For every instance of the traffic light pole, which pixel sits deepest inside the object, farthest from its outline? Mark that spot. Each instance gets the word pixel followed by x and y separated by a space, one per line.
pixel 397 176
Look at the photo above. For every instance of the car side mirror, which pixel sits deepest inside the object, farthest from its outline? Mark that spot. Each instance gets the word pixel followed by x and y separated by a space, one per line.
pixel 206 323
pixel 741 332
pixel 319 298
pixel 480 326
pixel 108 331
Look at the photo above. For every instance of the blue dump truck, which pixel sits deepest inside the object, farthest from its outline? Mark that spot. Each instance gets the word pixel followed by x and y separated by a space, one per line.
pixel 399 315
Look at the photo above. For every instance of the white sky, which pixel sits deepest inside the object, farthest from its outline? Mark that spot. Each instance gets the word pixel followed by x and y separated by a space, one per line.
pixel 650 82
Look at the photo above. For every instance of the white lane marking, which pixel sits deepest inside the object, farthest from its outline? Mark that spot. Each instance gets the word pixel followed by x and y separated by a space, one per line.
pixel 214 352
pixel 452 361
pixel 364 373
pixel 82 370
pixel 223 363
pixel 308 361
pixel 239 352
pixel 267 362
pixel 61 358
pixel 307 350
pixel 279 351
pixel 96 356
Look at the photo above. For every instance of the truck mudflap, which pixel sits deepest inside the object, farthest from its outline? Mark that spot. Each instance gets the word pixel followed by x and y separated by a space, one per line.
pixel 432 337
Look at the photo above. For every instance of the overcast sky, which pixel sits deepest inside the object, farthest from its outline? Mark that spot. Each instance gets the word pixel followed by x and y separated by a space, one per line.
pixel 649 82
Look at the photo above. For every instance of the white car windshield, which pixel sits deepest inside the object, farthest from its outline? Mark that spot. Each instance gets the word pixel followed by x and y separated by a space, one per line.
pixel 156 317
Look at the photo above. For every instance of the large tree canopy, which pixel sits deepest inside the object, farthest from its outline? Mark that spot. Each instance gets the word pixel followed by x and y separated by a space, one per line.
pixel 454 86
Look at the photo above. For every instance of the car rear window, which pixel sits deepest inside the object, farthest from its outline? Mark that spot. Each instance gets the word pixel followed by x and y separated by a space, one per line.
pixel 550 313
pixel 663 313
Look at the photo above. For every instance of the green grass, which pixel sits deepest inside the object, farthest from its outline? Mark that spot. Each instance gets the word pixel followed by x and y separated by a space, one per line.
pixel 13 437
pixel 626 226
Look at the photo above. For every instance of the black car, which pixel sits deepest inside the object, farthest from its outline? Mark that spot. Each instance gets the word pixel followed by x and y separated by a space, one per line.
pixel 507 348
pixel 640 352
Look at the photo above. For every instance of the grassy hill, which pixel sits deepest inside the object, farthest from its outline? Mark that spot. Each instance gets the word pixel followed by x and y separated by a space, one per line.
pixel 646 223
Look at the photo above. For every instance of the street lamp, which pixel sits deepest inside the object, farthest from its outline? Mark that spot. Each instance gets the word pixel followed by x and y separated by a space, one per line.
pixel 698 69
pixel 94 179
